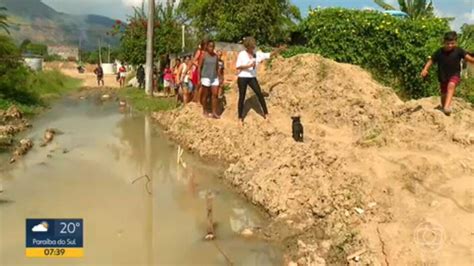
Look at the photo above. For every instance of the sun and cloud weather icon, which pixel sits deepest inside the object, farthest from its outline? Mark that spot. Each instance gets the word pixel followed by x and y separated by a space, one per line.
pixel 42 227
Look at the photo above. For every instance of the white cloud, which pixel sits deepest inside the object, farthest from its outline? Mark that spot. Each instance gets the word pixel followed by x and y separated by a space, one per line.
pixel 469 16
pixel 42 227
pixel 131 3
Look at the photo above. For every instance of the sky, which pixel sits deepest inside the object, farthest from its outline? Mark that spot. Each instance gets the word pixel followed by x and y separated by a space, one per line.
pixel 462 10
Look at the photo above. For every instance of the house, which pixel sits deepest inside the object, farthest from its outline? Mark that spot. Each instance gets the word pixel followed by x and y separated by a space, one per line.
pixel 65 52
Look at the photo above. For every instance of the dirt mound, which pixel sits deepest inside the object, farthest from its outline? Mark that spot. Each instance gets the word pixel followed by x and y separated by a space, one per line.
pixel 340 191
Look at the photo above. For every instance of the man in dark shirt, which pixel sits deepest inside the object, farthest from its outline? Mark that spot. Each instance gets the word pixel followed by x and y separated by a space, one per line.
pixel 448 59
pixel 141 77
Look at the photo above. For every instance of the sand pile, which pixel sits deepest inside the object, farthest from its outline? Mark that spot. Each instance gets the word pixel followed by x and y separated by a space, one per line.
pixel 364 149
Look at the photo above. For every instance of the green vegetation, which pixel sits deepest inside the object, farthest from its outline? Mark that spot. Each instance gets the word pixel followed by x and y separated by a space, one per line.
pixel 414 8
pixel 394 50
pixel 34 48
pixel 466 89
pixel 144 103
pixel 466 40
pixel 133 34
pixel 232 20
pixel 20 86
pixel 3 20
pixel 92 57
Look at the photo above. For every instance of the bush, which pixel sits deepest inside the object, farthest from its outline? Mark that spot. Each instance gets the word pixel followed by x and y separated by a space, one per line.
pixel 466 89
pixel 393 49
pixel 13 74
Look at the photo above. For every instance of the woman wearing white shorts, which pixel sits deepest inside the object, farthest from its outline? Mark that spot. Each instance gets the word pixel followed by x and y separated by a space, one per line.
pixel 210 80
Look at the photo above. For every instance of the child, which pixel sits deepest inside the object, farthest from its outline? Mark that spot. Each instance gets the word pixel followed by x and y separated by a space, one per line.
pixel 168 79
pixel 448 59
pixel 99 72
pixel 209 63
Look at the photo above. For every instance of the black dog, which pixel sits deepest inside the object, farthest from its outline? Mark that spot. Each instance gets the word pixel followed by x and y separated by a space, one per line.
pixel 297 129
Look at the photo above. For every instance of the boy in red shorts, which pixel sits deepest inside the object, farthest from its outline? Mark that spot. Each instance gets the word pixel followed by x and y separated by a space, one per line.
pixel 448 59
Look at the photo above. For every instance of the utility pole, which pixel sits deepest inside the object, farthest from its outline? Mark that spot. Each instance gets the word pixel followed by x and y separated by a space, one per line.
pixel 183 44
pixel 100 51
pixel 109 55
pixel 80 44
pixel 149 47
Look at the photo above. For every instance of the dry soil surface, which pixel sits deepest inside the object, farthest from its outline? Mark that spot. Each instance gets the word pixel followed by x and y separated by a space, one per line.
pixel 391 181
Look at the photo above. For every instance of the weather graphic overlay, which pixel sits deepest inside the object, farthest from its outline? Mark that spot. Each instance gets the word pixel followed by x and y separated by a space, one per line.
pixel 55 238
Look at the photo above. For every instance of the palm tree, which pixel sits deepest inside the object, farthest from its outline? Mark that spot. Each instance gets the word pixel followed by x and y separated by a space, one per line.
pixel 3 20
pixel 414 8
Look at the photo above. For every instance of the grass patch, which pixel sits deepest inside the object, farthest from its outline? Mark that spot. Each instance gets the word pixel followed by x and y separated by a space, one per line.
pixel 466 89
pixel 50 85
pixel 144 103
pixel 39 90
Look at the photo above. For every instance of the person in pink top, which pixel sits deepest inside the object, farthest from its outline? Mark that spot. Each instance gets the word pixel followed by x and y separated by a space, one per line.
pixel 122 75
pixel 167 79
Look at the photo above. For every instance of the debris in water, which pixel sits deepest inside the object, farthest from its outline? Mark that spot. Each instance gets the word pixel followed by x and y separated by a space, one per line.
pixel 210 223
pixel 65 151
pixel 122 103
pixel 247 232
pixel 105 97
pixel 147 183
pixel 24 148
pixel 180 157
pixel 1 188
pixel 48 136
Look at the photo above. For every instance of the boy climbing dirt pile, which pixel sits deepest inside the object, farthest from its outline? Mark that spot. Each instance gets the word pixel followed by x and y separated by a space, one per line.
pixel 448 59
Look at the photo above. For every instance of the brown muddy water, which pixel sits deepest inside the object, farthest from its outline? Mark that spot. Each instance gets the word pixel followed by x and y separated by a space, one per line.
pixel 87 172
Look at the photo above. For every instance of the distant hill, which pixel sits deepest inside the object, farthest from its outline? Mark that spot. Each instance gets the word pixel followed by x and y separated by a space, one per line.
pixel 34 20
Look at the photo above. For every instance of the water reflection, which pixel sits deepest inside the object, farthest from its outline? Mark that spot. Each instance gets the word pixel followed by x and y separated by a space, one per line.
pixel 126 225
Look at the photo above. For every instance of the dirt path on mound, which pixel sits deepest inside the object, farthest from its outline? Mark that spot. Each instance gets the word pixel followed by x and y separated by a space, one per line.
pixel 390 180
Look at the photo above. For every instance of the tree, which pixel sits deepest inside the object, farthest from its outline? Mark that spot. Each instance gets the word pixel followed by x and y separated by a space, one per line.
pixel 414 8
pixel 466 40
pixel 133 33
pixel 3 20
pixel 270 21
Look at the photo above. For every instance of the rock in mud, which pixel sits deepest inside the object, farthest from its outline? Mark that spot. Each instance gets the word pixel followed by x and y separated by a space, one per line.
pixel 23 149
pixel 13 113
pixel 105 97
pixel 5 140
pixel 48 136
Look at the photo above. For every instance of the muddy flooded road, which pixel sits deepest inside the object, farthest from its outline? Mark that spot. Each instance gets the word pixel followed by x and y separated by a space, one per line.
pixel 92 171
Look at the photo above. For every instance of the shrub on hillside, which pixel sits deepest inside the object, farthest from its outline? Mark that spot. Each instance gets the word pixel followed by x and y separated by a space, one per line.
pixel 13 74
pixel 393 49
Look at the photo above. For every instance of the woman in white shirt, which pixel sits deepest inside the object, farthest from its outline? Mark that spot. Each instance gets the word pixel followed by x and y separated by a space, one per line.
pixel 247 63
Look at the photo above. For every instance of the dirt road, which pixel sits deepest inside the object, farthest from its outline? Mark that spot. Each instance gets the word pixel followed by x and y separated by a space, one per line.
pixel 388 180
pixel 89 79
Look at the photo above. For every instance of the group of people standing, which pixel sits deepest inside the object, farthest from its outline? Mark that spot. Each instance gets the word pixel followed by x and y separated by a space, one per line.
pixel 201 79
pixel 121 75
